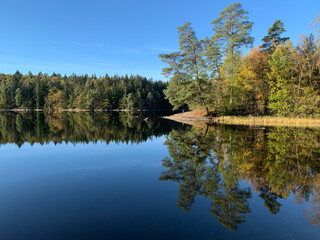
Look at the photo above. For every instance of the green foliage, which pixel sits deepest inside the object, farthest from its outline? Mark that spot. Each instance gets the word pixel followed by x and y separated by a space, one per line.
pixel 196 71
pixel 280 77
pixel 232 28
pixel 213 74
pixel 56 92
pixel 274 39
pixel 18 97
pixel 229 72
pixel 189 79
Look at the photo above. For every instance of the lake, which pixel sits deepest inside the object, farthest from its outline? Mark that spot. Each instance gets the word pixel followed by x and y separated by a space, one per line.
pixel 116 176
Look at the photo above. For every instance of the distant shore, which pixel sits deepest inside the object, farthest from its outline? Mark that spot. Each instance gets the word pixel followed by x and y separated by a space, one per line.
pixel 198 118
pixel 83 110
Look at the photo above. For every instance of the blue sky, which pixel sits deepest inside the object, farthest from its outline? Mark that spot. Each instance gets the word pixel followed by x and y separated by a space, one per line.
pixel 122 36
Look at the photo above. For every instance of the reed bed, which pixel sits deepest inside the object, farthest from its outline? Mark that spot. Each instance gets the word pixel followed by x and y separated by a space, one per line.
pixel 268 121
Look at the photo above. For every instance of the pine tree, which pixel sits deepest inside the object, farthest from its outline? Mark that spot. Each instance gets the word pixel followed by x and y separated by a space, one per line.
pixel 18 97
pixel 274 39
pixel 232 28
pixel 176 90
pixel 188 70
pixel 3 96
pixel 231 32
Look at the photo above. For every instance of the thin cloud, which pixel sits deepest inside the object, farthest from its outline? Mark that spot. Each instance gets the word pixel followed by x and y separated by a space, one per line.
pixel 161 49
pixel 132 51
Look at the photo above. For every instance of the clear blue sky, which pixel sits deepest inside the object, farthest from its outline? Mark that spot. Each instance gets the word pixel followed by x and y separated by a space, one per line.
pixel 122 36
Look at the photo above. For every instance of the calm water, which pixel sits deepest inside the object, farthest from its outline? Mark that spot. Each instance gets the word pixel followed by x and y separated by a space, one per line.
pixel 115 176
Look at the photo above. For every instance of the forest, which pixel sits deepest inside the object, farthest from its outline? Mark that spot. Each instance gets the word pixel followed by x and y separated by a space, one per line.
pixel 276 78
pixel 55 92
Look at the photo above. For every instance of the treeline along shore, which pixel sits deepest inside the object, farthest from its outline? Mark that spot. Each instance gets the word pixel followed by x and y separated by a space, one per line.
pixel 75 93
pixel 276 78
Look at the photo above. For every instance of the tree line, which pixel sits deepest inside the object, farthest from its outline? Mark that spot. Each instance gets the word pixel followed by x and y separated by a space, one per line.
pixel 276 78
pixel 58 92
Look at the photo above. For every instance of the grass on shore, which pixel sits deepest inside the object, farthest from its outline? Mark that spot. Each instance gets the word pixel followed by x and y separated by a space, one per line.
pixel 268 121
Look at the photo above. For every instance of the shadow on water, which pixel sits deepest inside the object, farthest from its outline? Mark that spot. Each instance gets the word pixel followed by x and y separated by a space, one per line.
pixel 214 162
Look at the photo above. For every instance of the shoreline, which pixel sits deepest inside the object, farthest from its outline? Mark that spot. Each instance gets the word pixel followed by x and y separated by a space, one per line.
pixel 193 118
pixel 199 118
pixel 83 110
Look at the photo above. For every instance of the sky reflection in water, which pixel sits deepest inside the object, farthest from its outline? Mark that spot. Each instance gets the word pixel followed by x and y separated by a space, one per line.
pixel 119 177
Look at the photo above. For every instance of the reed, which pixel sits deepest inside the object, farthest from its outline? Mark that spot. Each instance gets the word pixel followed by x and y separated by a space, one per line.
pixel 268 121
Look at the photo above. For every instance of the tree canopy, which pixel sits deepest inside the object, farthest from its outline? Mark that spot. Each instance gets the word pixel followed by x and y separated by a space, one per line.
pixel 55 92
pixel 276 78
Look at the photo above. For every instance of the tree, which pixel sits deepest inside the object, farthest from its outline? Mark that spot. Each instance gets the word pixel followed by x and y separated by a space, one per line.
pixel 274 39
pixel 130 101
pixel 229 72
pixel 3 97
pixel 91 99
pixel 306 71
pixel 18 97
pixel 176 91
pixel 150 99
pixel 188 70
pixel 53 100
pixel 279 79
pixel 232 28
pixel 231 32
pixel 252 78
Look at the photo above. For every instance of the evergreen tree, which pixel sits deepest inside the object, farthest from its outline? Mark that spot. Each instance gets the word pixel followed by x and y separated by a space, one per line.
pixel 3 98
pixel 176 92
pixel 188 70
pixel 231 32
pixel 18 97
pixel 274 39
pixel 232 28
pixel 130 101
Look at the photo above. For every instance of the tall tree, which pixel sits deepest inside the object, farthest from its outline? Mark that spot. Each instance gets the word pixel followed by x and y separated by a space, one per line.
pixel 274 39
pixel 188 71
pixel 232 28
pixel 231 32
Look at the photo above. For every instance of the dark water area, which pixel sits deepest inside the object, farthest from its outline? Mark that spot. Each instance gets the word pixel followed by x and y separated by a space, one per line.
pixel 122 176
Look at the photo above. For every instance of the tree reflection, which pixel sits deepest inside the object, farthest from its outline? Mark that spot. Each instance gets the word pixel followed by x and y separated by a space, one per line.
pixel 217 161
pixel 194 165
pixel 84 127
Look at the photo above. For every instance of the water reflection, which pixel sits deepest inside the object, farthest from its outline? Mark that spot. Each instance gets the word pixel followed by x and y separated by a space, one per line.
pixel 220 162
pixel 81 127
pixel 230 166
